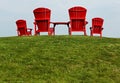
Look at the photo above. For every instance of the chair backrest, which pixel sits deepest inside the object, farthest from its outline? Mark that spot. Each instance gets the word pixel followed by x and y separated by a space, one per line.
pixel 42 18
pixel 97 24
pixel 21 26
pixel 77 16
pixel 77 12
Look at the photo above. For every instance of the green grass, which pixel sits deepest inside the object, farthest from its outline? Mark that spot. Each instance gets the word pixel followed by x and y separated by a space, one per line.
pixel 59 59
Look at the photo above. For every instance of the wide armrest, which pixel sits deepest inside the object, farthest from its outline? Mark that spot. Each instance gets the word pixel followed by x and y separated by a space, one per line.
pixel 86 22
pixel 90 28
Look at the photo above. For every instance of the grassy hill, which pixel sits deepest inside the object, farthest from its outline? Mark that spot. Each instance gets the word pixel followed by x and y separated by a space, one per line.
pixel 59 59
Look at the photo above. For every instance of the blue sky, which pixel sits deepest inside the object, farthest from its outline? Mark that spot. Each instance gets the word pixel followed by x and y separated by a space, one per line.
pixel 12 10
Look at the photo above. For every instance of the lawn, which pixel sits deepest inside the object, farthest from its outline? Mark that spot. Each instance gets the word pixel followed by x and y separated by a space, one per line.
pixel 59 59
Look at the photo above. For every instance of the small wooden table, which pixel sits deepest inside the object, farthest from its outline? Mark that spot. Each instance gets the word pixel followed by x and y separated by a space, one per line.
pixel 59 23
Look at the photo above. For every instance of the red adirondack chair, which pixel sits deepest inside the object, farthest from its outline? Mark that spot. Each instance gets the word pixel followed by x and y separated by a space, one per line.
pixel 22 29
pixel 42 21
pixel 78 21
pixel 97 26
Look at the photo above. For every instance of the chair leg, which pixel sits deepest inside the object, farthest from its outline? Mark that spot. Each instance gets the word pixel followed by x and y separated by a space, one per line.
pixel 91 33
pixel 70 33
pixel 35 33
pixel 85 34
pixel 50 31
pixel 54 30
pixel 100 35
pixel 18 33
